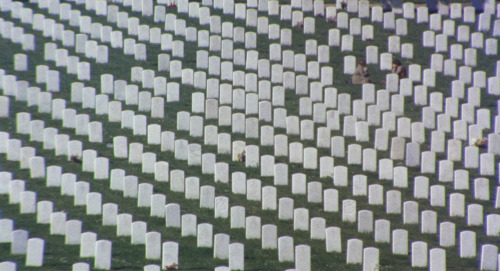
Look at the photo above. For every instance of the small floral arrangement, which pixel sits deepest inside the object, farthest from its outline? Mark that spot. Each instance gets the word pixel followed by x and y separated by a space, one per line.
pixel 480 143
pixel 172 266
pixel 76 159
pixel 241 157
pixel 300 25
pixel 331 19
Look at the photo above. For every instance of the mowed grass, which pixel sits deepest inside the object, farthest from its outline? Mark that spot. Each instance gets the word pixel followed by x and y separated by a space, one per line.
pixel 131 257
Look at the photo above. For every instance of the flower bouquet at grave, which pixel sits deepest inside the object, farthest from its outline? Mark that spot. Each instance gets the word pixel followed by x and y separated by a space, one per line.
pixel 300 25
pixel 480 143
pixel 241 157
pixel 172 266
pixel 331 19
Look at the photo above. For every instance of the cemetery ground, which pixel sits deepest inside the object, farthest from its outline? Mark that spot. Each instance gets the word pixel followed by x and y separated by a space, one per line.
pixel 126 256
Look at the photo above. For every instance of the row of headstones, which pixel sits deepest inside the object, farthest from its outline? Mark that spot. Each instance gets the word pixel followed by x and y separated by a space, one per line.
pixel 261 6
pixel 478 78
pixel 91 49
pixel 51 78
pixel 83 45
pixel 440 43
pixel 483 24
pixel 458 91
pixel 69 117
pixel 468 112
pixel 97 30
pixel 129 185
pixel 462 129
pixel 447 27
pixel 436 99
pixel 404 126
pixel 135 22
pixel 429 40
pixel 144 100
pixel 136 155
pixel 17 238
pixel 226 71
pixel 86 95
pixel 434 258
pixel 21 244
pixel 37 124
pixel 491 46
pixel 434 17
pixel 27 199
pixel 346 43
pixel 364 9
pixel 454 10
pixel 485 158
pixel 221 169
pixel 362 226
pixel 225 117
pixel 427 76
pixel 375 13
pixel 451 109
pixel 42 72
pixel 125 227
pixel 207 200
pixel 398 175
pixel 81 186
pixel 80 190
pixel 237 99
pixel 249 58
pixel 240 13
pixel 266 232
pixel 17 35
pixel 64 146
pixel 419 248
pixel 317 222
pixel 34 248
pixel 198 79
pixel 72 63
pixel 465 77
pixel 424 15
pixel 228 6
pixel 72 229
pixel 355 27
pixel 91 92
pixel 252 224
pixel 479 190
pixel 130 93
pixel 355 253
pixel 437 104
pixel 38 133
pixel 252 188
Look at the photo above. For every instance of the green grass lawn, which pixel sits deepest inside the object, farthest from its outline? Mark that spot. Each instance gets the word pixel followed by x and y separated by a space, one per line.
pixel 132 257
